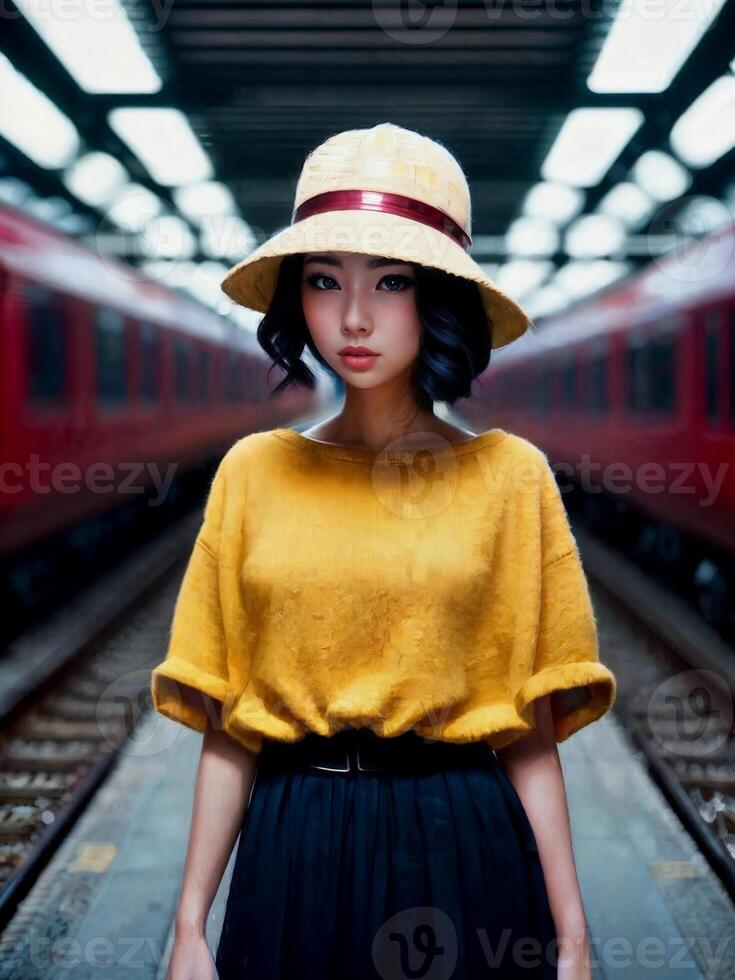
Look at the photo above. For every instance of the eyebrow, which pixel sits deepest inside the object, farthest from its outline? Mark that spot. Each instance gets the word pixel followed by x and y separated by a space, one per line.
pixel 372 264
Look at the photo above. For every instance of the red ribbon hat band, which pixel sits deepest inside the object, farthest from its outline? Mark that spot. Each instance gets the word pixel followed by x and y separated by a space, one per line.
pixel 398 204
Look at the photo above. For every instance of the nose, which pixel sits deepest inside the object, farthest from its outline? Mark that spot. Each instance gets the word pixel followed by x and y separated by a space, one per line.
pixel 356 313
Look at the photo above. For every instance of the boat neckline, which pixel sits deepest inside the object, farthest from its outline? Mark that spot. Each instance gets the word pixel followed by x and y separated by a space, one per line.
pixel 358 454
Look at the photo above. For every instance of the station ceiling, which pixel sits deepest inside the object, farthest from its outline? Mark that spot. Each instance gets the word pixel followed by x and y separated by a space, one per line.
pixel 264 83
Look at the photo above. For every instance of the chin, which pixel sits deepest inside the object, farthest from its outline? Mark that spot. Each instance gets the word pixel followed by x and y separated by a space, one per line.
pixel 364 382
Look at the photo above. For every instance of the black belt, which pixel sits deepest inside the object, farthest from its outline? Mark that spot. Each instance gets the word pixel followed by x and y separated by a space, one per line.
pixel 361 750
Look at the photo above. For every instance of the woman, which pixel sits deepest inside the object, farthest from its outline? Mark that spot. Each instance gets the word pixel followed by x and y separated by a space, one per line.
pixel 384 629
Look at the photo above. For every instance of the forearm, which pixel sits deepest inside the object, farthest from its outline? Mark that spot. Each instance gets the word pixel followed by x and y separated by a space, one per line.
pixel 533 766
pixel 223 783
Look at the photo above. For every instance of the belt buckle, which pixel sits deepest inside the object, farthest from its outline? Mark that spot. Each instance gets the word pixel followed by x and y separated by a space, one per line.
pixel 325 768
pixel 365 768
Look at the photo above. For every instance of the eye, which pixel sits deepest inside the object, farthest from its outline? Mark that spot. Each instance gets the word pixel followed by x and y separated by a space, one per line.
pixel 312 280
pixel 403 281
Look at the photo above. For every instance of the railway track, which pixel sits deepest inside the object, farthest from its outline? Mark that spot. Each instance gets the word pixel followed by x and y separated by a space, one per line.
pixel 71 695
pixel 676 681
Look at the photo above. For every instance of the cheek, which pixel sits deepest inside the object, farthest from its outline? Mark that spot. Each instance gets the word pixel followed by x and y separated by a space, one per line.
pixel 316 313
pixel 309 304
pixel 404 329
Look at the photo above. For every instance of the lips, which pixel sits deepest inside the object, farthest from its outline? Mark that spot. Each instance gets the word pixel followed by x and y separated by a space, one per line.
pixel 358 359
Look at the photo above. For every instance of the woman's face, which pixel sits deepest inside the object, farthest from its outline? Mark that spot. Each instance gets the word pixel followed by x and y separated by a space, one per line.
pixel 355 300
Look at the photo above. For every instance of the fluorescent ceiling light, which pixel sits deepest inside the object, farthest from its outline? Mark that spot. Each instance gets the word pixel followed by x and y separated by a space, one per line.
pixel 95 178
pixel 588 143
pixel 646 47
pixel 98 47
pixel 661 176
pixel 594 236
pixel 164 142
pixel 209 197
pixel 519 276
pixel 706 130
pixel 134 207
pixel 628 203
pixel 530 237
pixel 204 285
pixel 168 237
pixel 14 191
pixel 555 201
pixel 702 215
pixel 75 224
pixel 546 301
pixel 226 236
pixel 49 209
pixel 579 278
pixel 167 272
pixel 30 121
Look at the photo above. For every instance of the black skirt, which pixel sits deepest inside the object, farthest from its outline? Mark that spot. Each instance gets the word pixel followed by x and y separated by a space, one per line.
pixel 370 876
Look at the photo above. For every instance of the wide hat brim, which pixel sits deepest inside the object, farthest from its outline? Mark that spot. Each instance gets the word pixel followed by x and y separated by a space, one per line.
pixel 251 283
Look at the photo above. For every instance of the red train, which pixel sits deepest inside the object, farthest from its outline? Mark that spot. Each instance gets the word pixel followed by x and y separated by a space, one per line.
pixel 631 392
pixel 110 382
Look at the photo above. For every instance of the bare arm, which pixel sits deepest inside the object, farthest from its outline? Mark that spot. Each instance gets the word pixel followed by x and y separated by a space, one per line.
pixel 223 783
pixel 533 766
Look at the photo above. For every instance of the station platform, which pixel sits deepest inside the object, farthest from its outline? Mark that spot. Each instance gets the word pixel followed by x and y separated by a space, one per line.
pixel 104 906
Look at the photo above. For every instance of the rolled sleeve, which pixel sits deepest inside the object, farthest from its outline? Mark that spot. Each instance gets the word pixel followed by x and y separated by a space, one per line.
pixel 197 658
pixel 566 663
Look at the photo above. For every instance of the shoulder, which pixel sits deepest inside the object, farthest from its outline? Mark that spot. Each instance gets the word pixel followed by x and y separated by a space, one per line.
pixel 247 451
pixel 239 476
pixel 517 469
pixel 519 450
pixel 523 448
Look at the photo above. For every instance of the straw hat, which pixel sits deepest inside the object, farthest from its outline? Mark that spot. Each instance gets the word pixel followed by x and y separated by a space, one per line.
pixel 382 191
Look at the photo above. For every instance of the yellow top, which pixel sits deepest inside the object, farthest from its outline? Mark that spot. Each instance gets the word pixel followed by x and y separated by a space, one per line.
pixel 439 590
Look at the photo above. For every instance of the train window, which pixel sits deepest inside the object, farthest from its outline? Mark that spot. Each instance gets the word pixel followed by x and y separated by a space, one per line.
pixel 544 388
pixel 48 343
pixel 243 378
pixel 635 378
pixel 204 374
pixel 233 382
pixel 569 383
pixel 182 369
pixel 597 390
pixel 112 374
pixel 518 389
pixel 218 373
pixel 150 358
pixel 711 367
pixel 557 385
pixel 661 357
pixel 651 375
pixel 251 387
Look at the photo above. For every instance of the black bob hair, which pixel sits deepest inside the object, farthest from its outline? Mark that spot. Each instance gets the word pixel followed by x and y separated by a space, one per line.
pixel 455 346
